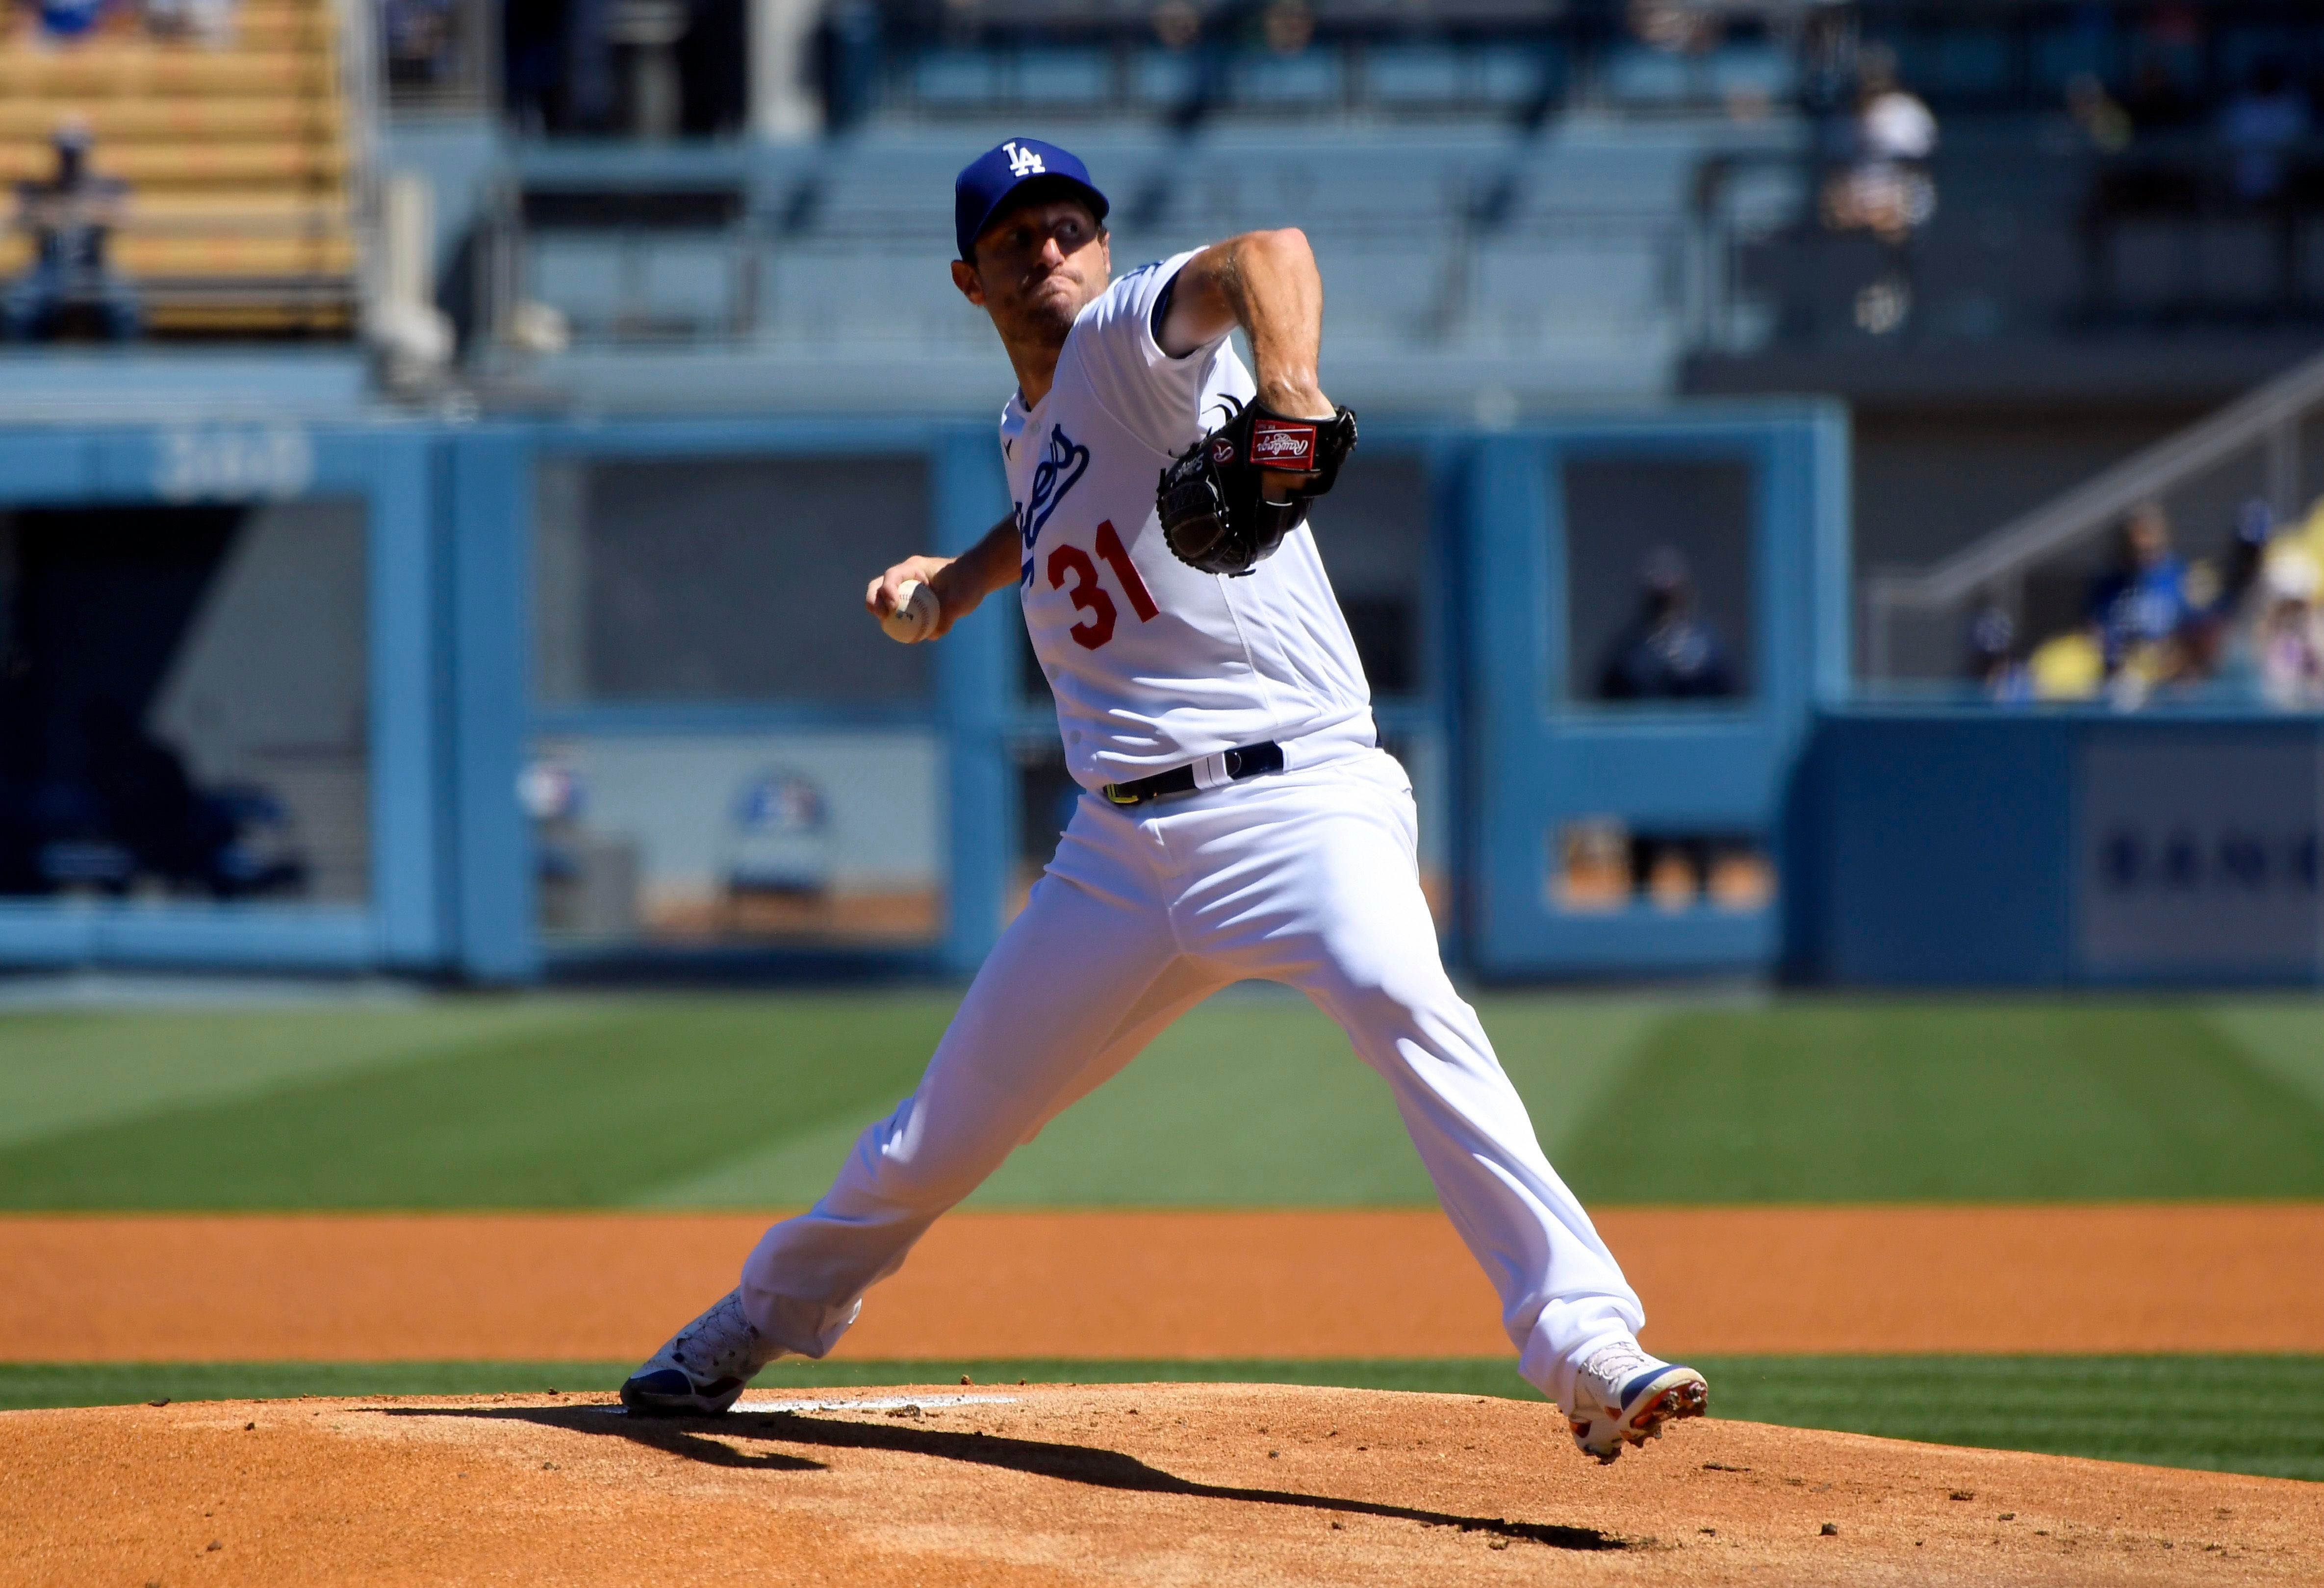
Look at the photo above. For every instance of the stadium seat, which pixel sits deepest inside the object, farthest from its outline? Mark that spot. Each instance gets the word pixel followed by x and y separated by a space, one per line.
pixel 148 166
pixel 818 296
pixel 1764 70
pixel 579 275
pixel 1393 294
pixel 1311 80
pixel 1639 78
pixel 1510 76
pixel 1529 291
pixel 1559 250
pixel 672 286
pixel 1160 79
pixel 1054 77
pixel 1965 61
pixel 211 121
pixel 148 70
pixel 1401 77
pixel 237 160
pixel 957 79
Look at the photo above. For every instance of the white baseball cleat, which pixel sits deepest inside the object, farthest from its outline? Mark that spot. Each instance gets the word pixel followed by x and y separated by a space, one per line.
pixel 702 1370
pixel 1621 1394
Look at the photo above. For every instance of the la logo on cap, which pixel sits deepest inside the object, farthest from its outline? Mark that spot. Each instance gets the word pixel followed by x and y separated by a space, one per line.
pixel 1023 163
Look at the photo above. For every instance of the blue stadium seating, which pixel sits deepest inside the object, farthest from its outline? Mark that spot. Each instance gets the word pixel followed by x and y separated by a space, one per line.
pixel 1558 256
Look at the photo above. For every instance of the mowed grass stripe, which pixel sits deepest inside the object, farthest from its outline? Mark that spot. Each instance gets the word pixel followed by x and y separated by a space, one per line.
pixel 1262 1103
pixel 2263 1415
pixel 2284 1037
pixel 581 1114
pixel 1253 1101
pixel 1958 1100
pixel 1250 1101
pixel 71 1070
pixel 2227 1413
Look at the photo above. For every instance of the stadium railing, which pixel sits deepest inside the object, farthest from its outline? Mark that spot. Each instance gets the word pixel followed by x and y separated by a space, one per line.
pixel 2255 446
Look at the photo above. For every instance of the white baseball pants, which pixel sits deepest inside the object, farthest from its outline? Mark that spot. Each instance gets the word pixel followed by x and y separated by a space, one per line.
pixel 1309 878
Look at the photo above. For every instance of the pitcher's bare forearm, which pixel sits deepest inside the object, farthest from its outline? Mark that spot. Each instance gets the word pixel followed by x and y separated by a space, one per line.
pixel 1265 283
pixel 961 583
pixel 988 565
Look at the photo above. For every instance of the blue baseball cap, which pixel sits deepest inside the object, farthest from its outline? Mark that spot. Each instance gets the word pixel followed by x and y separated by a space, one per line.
pixel 988 183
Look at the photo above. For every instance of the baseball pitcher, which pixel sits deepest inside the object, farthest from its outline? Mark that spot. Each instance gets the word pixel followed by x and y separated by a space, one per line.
pixel 1237 817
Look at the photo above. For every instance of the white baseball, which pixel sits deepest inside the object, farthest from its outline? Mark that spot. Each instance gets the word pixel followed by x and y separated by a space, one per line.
pixel 916 613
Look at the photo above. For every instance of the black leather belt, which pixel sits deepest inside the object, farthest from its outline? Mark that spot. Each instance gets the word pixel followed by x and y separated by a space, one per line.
pixel 1253 761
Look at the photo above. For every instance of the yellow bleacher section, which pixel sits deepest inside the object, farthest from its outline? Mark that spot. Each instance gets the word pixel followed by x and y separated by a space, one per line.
pixel 238 161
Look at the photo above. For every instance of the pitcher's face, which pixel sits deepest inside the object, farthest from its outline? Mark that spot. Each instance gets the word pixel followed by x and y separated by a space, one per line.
pixel 1037 267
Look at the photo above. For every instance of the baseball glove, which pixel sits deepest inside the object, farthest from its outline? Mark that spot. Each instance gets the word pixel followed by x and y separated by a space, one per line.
pixel 1215 516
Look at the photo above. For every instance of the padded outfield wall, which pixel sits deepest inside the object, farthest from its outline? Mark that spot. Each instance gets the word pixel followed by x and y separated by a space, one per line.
pixel 502 701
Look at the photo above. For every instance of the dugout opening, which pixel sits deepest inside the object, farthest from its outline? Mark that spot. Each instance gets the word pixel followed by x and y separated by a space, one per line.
pixel 185 703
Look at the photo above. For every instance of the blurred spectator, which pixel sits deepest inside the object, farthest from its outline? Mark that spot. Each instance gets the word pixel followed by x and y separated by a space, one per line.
pixel 69 217
pixel 65 21
pixel 2066 667
pixel 848 52
pixel 2220 594
pixel 2288 641
pixel 1886 189
pixel 713 68
pixel 1666 652
pixel 2259 125
pixel 2138 608
pixel 532 62
pixel 1993 662
pixel 2254 532
pixel 646 67
pixel 422 39
pixel 205 22
pixel 1676 26
pixel 1289 26
pixel 1176 23
pixel 2310 532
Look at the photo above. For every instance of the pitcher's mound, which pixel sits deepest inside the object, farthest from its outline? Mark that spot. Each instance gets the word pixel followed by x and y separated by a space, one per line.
pixel 1192 1483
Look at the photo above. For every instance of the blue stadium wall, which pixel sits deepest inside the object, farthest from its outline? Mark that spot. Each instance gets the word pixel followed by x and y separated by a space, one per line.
pixel 1944 847
pixel 2059 848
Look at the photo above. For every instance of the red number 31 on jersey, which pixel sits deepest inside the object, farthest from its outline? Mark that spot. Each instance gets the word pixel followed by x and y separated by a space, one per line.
pixel 1089 597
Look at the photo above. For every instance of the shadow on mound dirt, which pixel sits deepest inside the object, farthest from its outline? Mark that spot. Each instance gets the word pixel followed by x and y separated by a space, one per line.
pixel 692 1437
pixel 1043 1485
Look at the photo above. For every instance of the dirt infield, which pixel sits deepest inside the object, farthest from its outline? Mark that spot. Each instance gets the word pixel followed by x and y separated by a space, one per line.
pixel 1144 1484
pixel 90 1287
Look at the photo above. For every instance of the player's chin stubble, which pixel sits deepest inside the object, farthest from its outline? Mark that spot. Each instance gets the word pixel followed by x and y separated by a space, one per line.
pixel 1042 317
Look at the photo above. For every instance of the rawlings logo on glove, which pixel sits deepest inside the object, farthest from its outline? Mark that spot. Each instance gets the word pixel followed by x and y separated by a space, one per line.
pixel 1278 444
pixel 1212 502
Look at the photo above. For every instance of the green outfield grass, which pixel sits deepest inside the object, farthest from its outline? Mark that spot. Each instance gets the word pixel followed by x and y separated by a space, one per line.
pixel 2243 1414
pixel 1253 1100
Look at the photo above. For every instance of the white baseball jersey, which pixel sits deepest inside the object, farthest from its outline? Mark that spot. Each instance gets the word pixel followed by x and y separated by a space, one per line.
pixel 1154 664
pixel 1309 877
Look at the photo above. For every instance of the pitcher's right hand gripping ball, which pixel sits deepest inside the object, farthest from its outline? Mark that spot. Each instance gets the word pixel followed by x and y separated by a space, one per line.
pixel 1211 499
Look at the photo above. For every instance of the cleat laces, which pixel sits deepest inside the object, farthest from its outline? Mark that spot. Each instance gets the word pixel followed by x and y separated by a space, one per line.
pixel 722 1343
pixel 1616 1364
